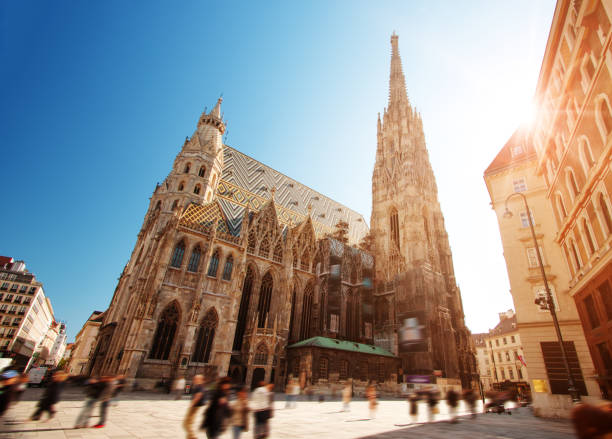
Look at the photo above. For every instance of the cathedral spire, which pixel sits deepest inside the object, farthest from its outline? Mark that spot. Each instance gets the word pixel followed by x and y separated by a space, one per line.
pixel 397 82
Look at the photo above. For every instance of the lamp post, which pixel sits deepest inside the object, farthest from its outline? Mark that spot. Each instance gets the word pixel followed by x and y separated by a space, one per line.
pixel 549 299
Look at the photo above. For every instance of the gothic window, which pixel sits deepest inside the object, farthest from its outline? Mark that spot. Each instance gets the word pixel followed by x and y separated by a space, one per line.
pixel 560 207
pixel 196 190
pixel 278 252
pixel 322 309
pixel 306 313
pixel 295 258
pixel 187 168
pixel 323 368
pixel 177 256
pixel 605 212
pixel 261 355
pixel 305 260
pixel 394 225
pixel 194 260
pixel 589 237
pixel 575 255
pixel 227 268
pixel 164 335
pixel 214 264
pixel 206 335
pixel 252 243
pixel 245 299
pixel 265 295
pixel 352 317
pixel 343 370
pixel 292 315
pixel 202 171
pixel 586 155
pixel 264 248
pixel 181 186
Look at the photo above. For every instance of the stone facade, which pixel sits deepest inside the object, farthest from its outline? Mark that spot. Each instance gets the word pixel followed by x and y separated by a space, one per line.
pixel 235 261
pixel 414 268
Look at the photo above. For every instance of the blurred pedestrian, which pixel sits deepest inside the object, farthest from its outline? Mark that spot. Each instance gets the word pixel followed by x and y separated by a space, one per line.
pixel 178 387
pixel 50 396
pixel 120 383
pixel 240 413
pixel 218 410
pixel 93 388
pixel 370 394
pixel 21 386
pixel 260 404
pixel 347 395
pixel 292 391
pixel 198 399
pixel 432 403
pixel 469 396
pixel 107 384
pixel 413 406
pixel 9 381
pixel 452 399
pixel 592 422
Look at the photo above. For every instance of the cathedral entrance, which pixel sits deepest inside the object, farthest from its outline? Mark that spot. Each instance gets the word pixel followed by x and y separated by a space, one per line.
pixel 259 374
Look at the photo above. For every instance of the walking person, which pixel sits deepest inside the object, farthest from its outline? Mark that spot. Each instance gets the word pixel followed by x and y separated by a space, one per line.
pixel 370 393
pixel 470 399
pixel 260 404
pixel 452 399
pixel 347 394
pixel 51 396
pixel 292 391
pixel 106 393
pixel 218 410
pixel 432 403
pixel 8 390
pixel 240 413
pixel 198 399
pixel 178 387
pixel 413 406
pixel 21 386
pixel 93 389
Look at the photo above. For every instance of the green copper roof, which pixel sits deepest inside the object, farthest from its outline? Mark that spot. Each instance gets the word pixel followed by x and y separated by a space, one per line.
pixel 342 345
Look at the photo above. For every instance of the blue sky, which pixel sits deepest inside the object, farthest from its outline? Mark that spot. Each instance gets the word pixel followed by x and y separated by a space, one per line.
pixel 97 98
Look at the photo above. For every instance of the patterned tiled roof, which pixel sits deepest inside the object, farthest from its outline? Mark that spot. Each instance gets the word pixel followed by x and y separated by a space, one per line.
pixel 203 216
pixel 247 182
pixel 342 345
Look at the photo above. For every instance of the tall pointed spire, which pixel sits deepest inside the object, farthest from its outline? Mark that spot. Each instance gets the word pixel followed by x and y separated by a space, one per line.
pixel 216 112
pixel 397 82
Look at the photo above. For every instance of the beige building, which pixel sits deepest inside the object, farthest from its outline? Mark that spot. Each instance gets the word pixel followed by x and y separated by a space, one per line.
pixel 26 314
pixel 572 137
pixel 83 346
pixel 507 363
pixel 483 360
pixel 514 170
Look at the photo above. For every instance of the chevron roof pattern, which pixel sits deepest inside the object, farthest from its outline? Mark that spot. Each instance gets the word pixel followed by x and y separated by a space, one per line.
pixel 247 182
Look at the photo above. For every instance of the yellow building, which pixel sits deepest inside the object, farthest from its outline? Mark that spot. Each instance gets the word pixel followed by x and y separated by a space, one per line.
pixel 483 360
pixel 572 137
pixel 513 170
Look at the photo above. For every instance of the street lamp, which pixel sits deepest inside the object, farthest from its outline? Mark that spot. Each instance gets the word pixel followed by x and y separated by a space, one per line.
pixel 571 387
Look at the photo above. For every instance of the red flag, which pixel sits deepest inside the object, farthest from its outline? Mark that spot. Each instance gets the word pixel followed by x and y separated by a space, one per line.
pixel 520 357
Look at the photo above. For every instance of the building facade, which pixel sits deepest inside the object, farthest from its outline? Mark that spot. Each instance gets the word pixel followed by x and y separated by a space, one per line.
pixel 414 268
pixel 572 139
pixel 59 344
pixel 483 360
pixel 514 170
pixel 25 312
pixel 84 345
pixel 235 261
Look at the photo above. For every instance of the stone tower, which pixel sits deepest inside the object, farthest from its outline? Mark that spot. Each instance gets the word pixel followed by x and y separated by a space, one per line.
pixel 413 261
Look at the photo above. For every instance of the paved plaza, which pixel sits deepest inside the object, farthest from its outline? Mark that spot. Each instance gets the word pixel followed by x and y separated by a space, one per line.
pixel 154 415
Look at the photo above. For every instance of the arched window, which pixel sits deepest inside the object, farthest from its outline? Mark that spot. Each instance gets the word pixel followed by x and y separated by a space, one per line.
pixel 604 116
pixel 252 242
pixel 177 256
pixel 586 155
pixel 574 249
pixel 306 313
pixel 394 227
pixel 202 171
pixel 572 185
pixel 265 295
pixel 351 316
pixel 181 186
pixel 194 260
pixel 175 204
pixel 197 189
pixel 588 236
pixel 305 260
pixel 245 299
pixel 605 212
pixel 261 355
pixel 214 264
pixel 227 268
pixel 278 252
pixel 187 168
pixel 164 335
pixel 264 248
pixel 344 369
pixel 292 315
pixel 560 207
pixel 206 335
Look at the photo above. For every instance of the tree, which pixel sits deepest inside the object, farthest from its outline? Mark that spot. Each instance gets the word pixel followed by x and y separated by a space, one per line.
pixel 367 243
pixel 341 232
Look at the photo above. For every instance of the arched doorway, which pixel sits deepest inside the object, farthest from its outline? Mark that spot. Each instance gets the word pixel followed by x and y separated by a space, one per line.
pixel 259 374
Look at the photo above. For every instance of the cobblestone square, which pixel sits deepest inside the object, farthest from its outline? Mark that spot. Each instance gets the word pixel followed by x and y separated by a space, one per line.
pixel 154 415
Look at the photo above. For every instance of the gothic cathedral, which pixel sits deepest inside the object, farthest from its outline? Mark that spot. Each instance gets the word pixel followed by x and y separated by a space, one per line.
pixel 240 270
